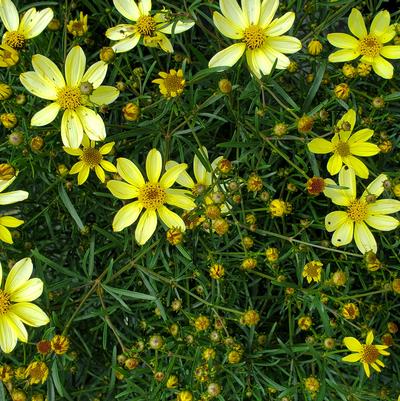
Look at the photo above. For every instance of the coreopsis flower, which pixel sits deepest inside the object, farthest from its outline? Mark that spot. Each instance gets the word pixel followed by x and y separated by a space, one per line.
pixel 346 145
pixel 152 196
pixel 19 31
pixel 76 95
pixel 171 83
pixel 59 344
pixel 312 271
pixel 360 211
pixel 257 35
pixel 9 198
pixel 78 27
pixel 370 46
pixel 91 159
pixel 368 354
pixel 152 29
pixel 37 372
pixel 16 308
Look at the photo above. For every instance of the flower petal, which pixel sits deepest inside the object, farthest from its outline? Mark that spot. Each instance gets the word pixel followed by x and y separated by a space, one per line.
pixel 153 165
pixel 251 10
pixel 77 167
pixel 320 146
pixel 14 322
pixel 352 358
pixel 184 178
pixel 360 136
pixel 121 31
pixel 75 64
pixel 343 41
pixel 9 15
pixel 341 197
pixel 38 85
pixel 382 67
pixel 5 235
pixel 95 74
pixel 83 174
pixel 30 314
pixel 48 69
pixel 343 55
pixel 357 165
pixel 392 52
pixel 353 344
pixel 280 25
pixel 375 187
pixel 382 223
pixel 344 234
pixel 380 23
pixel 170 219
pixel 384 206
pixel 29 291
pixel 104 95
pixel 180 199
pixel 268 10
pixel 284 44
pixel 144 7
pixel 228 57
pixel 127 215
pixel 389 34
pixel 171 175
pixel 19 275
pixel 8 338
pixel 108 166
pixel 176 27
pixel 226 27
pixel 122 190
pixel 335 163
pixel 146 226
pixel 334 220
pixel 9 221
pixel 356 24
pixel 200 171
pixel 282 60
pixel 46 115
pixel 364 149
pixel 349 117
pixel 347 178
pixel 364 239
pixel 231 10
pixel 71 129
pixel 92 124
pixel 126 44
pixel 34 24
pixel 9 198
pixel 129 172
pixel 128 9
pixel 370 337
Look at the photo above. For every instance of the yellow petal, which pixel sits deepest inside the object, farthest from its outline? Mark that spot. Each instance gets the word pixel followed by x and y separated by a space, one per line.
pixel 39 85
pixel 343 55
pixel 364 239
pixel 46 115
pixel 128 9
pixel 19 275
pixel 127 215
pixel 380 23
pixel 170 219
pixel 351 358
pixel 349 117
pixel 284 44
pixel 5 235
pixel 100 173
pixel 174 28
pixel 92 123
pixel 364 149
pixel 228 57
pixel 180 199
pixel 129 172
pixel 231 10
pixel 334 220
pixel 121 31
pixel 226 27
pixel 9 15
pixel 347 178
pixel 171 175
pixel 344 234
pixel 75 64
pixel 30 314
pixel 357 165
pixel 71 129
pixel 335 163
pixel 77 167
pixel 384 206
pixel 144 6
pixel 268 10
pixel 382 223
pixel 352 344
pixel 146 226
pixel 153 165
pixel 360 136
pixel 356 24
pixel 280 25
pixel 366 368
pixel 320 146
pixel 73 151
pixel 108 166
pixel 341 197
pixel 8 338
pixel 184 178
pixel 370 337
pixel 83 174
pixel 126 44
pixel 106 148
pixel 251 10
pixel 9 221
pixel 48 69
pixel 343 41
pixel 9 198
pixel 29 291
pixel 392 52
pixel 14 322
pixel 95 74
pixel 104 95
pixel 36 23
pixel 382 67
pixel 122 190
pixel 375 187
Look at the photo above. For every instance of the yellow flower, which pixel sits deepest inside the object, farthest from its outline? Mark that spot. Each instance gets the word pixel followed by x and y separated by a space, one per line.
pixel 151 28
pixel 345 146
pixel 91 159
pixel 78 27
pixel 59 344
pixel 350 311
pixel 18 31
pixel 16 307
pixel 360 211
pixel 171 83
pixel 37 372
pixel 9 198
pixel 77 94
pixel 312 271
pixel 152 196
pixel 257 35
pixel 367 353
pixel 370 46
pixel 8 56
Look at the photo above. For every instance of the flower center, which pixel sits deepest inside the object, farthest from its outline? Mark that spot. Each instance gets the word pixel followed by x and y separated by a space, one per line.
pixel 4 302
pixel 173 84
pixel 146 25
pixel 14 39
pixel 342 148
pixel 313 270
pixel 254 37
pixel 69 98
pixel 370 46
pixel 152 196
pixel 198 189
pixel 358 210
pixel 91 157
pixel 369 354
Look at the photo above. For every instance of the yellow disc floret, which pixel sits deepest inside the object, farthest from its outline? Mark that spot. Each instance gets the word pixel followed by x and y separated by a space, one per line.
pixel 152 196
pixel 254 37
pixel 14 39
pixel 4 302
pixel 370 46
pixel 69 98
pixel 91 156
pixel 369 354
pixel 358 210
pixel 343 149
pixel 146 25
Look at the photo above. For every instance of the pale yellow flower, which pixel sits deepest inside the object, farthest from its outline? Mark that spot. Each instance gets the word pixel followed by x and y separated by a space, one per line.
pixel 360 211
pixel 152 196
pixel 76 95
pixel 18 31
pixel 257 35
pixel 78 27
pixel 370 46
pixel 171 83
pixel 16 308
pixel 9 198
pixel 152 29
